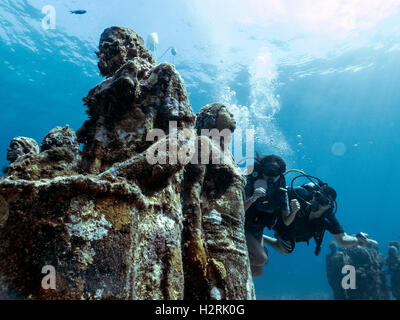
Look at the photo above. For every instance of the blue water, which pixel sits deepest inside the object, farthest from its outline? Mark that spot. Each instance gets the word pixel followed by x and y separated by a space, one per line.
pixel 319 84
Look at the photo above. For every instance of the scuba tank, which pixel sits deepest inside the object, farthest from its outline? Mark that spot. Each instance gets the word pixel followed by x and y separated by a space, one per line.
pixel 318 188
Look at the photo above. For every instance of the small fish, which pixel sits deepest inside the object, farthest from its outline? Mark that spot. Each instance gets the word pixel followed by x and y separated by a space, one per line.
pixel 78 11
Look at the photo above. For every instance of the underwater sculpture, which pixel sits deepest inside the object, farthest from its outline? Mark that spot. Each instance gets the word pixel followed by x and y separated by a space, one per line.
pixel 393 263
pixel 371 278
pixel 118 46
pixel 20 146
pixel 110 223
pixel 215 251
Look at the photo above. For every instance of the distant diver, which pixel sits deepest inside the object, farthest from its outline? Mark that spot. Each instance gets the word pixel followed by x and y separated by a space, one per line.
pixel 316 215
pixel 152 43
pixel 78 11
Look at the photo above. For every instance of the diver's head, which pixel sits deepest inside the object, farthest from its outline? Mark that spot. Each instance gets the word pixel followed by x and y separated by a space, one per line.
pixel 323 198
pixel 270 168
pixel 329 192
pixel 271 165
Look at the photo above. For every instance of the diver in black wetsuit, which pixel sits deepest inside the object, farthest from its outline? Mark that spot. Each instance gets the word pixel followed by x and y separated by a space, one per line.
pixel 267 201
pixel 317 214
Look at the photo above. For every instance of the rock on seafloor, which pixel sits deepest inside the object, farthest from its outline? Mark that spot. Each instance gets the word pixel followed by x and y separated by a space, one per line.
pixel 112 224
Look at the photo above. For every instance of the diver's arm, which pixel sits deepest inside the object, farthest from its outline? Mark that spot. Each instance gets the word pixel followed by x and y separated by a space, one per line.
pixel 294 208
pixel 345 240
pixel 349 241
pixel 259 192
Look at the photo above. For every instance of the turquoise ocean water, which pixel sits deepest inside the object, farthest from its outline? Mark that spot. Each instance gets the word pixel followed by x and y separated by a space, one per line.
pixel 317 81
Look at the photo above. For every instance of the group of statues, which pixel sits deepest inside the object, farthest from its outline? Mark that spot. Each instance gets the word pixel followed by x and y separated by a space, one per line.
pixel 113 225
pixel 376 277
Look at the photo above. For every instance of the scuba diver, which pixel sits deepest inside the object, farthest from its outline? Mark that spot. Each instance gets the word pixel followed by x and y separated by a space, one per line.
pixel 152 46
pixel 316 215
pixel 267 202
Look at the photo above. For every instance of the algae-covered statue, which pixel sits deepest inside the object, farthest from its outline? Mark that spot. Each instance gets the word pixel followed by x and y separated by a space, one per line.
pixel 91 207
pixel 216 256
